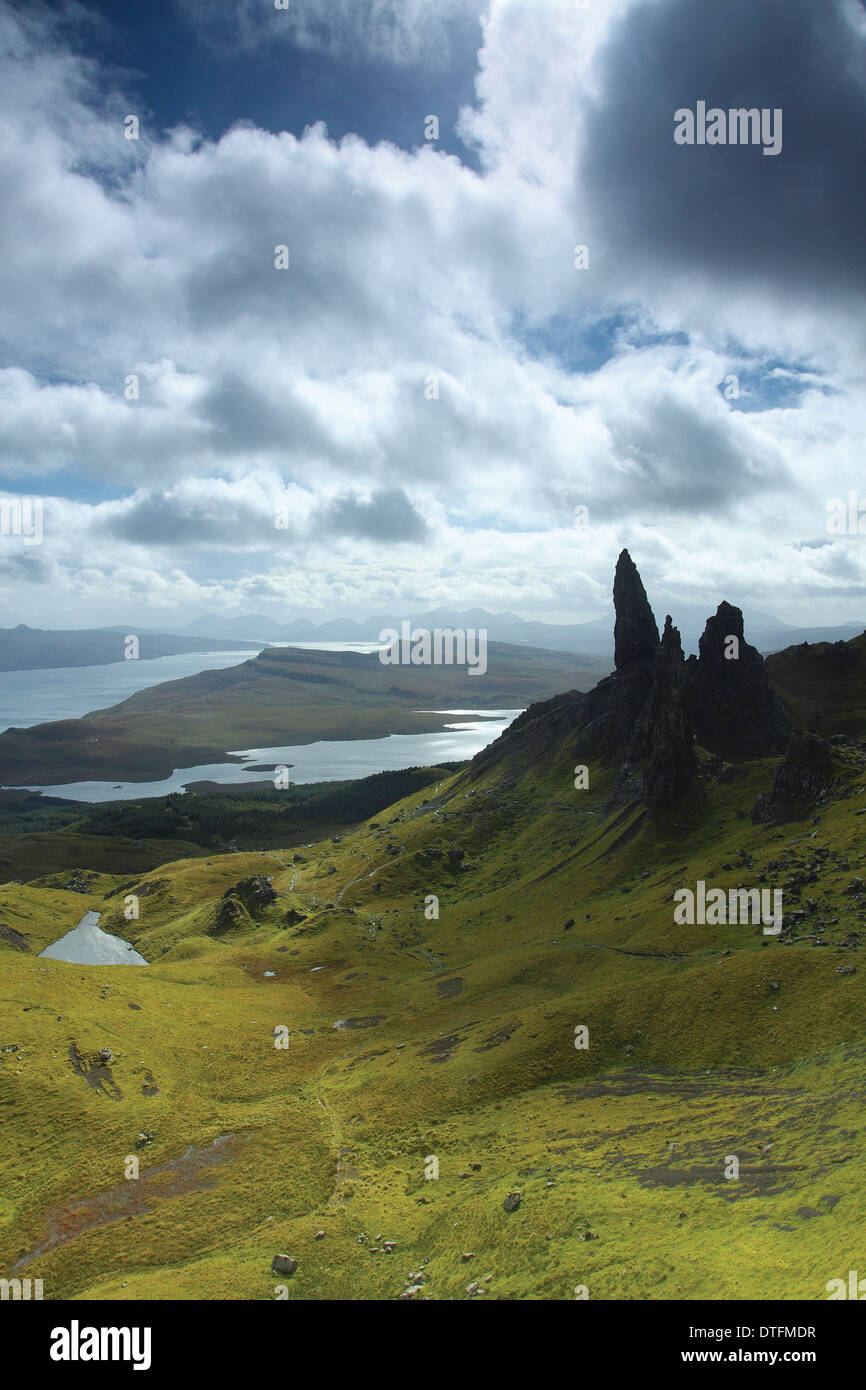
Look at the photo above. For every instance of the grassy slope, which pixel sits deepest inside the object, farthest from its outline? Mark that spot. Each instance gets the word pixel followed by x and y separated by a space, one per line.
pixel 32 855
pixel 823 685
pixel 282 696
pixel 472 1061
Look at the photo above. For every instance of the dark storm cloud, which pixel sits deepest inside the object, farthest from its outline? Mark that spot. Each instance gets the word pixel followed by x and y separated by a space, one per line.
pixel 160 519
pixel 387 516
pixel 23 563
pixel 795 219
pixel 243 419
pixel 674 456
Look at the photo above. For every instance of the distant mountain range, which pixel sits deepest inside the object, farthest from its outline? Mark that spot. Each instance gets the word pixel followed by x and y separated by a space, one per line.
pixel 594 638
pixel 25 648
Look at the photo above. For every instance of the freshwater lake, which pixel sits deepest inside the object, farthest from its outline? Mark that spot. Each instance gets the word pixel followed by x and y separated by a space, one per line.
pixel 88 944
pixel 35 697
pixel 330 761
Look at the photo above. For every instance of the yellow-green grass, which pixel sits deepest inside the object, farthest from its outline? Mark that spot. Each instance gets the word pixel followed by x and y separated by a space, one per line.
pixel 718 1040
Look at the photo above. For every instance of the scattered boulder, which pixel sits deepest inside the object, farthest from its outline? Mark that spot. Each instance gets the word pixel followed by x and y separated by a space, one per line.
pixel 78 883
pixel 512 1201
pixel 283 1264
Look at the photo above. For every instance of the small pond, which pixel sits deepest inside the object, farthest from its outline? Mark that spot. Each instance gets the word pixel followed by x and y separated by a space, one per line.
pixel 87 944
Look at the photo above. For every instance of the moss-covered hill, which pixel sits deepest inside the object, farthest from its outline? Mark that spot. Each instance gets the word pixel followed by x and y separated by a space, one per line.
pixel 456 1043
pixel 823 685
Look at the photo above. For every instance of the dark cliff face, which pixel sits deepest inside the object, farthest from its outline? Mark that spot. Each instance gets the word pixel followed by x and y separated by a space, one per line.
pixel 733 709
pixel 635 633
pixel 611 709
pixel 657 705
pixel 663 732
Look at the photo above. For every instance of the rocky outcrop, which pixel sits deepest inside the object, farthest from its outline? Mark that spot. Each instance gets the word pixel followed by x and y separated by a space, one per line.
pixel 80 882
pixel 656 707
pixel 608 712
pixel 663 732
pixel 13 938
pixel 611 710
pixel 635 634
pixel 733 709
pixel 802 779
pixel 254 892
pixel 228 914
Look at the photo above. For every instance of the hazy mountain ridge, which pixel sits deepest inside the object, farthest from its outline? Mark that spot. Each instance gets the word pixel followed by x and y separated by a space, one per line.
pixel 595 638
pixel 25 648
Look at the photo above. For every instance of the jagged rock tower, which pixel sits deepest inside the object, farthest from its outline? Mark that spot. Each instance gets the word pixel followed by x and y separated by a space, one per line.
pixel 645 720
pixel 635 634
pixel 663 732
pixel 733 708
pixel 657 705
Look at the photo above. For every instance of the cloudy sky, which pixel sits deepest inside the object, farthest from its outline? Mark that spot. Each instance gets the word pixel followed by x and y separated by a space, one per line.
pixel 436 383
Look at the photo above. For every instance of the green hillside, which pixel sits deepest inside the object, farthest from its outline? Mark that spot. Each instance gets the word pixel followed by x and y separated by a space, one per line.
pixel 823 685
pixel 457 1043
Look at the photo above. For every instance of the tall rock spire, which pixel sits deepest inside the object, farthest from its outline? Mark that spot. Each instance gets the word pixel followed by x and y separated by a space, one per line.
pixel 635 634
pixel 734 710
pixel 662 732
